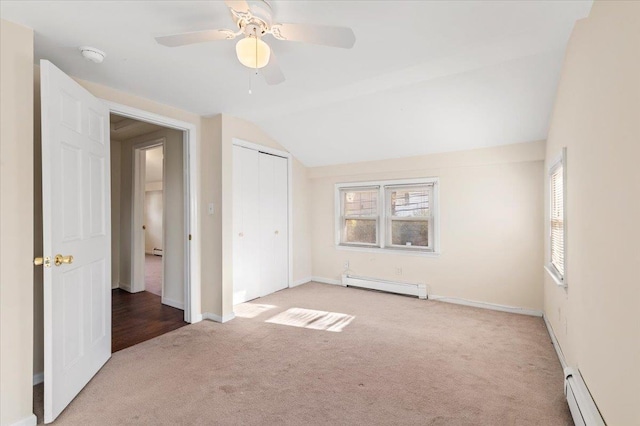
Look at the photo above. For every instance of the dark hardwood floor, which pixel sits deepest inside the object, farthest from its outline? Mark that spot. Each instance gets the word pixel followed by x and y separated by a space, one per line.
pixel 140 316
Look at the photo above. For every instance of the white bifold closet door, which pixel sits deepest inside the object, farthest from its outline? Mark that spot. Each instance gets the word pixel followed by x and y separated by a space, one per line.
pixel 246 225
pixel 274 238
pixel 260 224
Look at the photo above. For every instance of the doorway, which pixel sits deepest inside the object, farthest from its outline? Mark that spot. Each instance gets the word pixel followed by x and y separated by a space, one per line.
pixel 149 258
pixel 153 228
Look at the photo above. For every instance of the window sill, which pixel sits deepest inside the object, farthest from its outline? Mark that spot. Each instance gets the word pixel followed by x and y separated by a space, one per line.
pixel 559 281
pixel 390 251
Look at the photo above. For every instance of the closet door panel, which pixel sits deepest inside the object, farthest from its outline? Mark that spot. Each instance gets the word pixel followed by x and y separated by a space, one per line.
pixel 246 225
pixel 267 240
pixel 281 224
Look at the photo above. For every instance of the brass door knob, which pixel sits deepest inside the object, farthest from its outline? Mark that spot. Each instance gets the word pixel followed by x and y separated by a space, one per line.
pixel 144 227
pixel 60 259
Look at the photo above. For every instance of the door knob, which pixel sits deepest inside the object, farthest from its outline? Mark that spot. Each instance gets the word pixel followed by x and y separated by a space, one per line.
pixel 241 234
pixel 60 259
pixel 144 227
pixel 39 261
pixel 277 232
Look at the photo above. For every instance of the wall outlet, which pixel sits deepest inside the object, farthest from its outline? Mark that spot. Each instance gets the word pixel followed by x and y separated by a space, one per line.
pixel 398 271
pixel 346 264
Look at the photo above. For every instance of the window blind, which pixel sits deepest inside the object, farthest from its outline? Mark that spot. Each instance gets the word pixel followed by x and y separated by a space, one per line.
pixel 557 219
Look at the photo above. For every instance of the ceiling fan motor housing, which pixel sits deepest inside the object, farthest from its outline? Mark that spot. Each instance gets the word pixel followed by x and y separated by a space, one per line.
pixel 257 20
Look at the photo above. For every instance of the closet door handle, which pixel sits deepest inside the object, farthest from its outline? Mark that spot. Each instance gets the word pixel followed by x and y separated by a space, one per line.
pixel 277 232
pixel 241 234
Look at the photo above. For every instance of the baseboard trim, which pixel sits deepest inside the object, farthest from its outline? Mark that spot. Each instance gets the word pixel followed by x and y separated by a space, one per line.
pixel 173 303
pixel 327 281
pixel 31 420
pixel 300 282
pixel 125 287
pixel 486 305
pixel 196 318
pixel 218 318
pixel 38 378
pixel 554 340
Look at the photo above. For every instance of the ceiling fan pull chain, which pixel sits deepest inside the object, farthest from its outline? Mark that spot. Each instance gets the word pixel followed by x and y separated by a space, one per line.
pixel 256 69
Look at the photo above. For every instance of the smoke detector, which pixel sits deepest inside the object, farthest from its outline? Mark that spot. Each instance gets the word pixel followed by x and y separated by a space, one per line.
pixel 92 54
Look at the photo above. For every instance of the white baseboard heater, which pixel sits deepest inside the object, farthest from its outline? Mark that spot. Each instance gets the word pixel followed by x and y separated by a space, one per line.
pixel 583 408
pixel 157 252
pixel 419 290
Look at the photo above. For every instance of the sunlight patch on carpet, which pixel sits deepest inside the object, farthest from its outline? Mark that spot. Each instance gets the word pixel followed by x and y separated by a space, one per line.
pixel 314 320
pixel 251 310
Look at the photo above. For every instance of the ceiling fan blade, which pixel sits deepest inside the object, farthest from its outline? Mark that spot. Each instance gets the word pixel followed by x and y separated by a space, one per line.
pixel 175 40
pixel 237 5
pixel 272 73
pixel 316 34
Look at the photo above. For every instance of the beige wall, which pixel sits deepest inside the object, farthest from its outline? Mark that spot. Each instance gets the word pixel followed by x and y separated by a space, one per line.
pixel 16 223
pixel 491 224
pixel 211 225
pixel 597 117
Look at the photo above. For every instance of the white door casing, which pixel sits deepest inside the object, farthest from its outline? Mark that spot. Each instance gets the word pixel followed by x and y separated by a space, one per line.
pixel 76 222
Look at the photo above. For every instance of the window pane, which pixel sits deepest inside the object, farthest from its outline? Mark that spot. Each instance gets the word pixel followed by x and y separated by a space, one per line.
pixel 410 202
pixel 360 231
pixel 360 203
pixel 410 233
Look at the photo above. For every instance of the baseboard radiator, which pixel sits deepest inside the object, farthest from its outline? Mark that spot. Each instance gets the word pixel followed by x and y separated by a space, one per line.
pixel 157 252
pixel 419 290
pixel 583 408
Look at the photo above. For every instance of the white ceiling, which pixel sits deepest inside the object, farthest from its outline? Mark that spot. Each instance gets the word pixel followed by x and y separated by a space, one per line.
pixel 424 76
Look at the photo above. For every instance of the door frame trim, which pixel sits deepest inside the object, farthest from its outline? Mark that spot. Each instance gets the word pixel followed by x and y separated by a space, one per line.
pixel 289 157
pixel 192 307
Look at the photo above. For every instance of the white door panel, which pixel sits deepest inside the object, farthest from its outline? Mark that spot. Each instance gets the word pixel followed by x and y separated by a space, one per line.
pixel 273 224
pixel 281 224
pixel 268 256
pixel 76 222
pixel 246 243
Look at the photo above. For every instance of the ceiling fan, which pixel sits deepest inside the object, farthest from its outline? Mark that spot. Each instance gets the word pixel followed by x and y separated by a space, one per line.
pixel 253 23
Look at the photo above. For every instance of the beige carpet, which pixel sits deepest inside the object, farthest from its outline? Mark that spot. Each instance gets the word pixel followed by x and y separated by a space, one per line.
pixel 396 361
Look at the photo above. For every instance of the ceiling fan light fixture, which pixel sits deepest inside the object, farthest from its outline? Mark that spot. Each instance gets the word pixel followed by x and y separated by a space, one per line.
pixel 253 52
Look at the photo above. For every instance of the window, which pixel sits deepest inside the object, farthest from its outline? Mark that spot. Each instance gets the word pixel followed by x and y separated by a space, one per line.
pixel 409 216
pixel 390 215
pixel 360 216
pixel 556 222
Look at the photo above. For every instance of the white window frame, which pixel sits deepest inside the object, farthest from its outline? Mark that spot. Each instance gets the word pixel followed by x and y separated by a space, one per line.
pixel 560 161
pixel 384 221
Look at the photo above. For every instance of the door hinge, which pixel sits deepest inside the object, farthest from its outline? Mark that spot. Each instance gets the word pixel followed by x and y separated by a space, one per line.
pixel 189 237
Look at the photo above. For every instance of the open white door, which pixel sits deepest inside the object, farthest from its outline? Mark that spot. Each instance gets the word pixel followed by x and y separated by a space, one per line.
pixel 76 222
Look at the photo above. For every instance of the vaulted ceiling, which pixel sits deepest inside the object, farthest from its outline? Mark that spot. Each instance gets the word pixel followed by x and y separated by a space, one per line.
pixel 423 76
